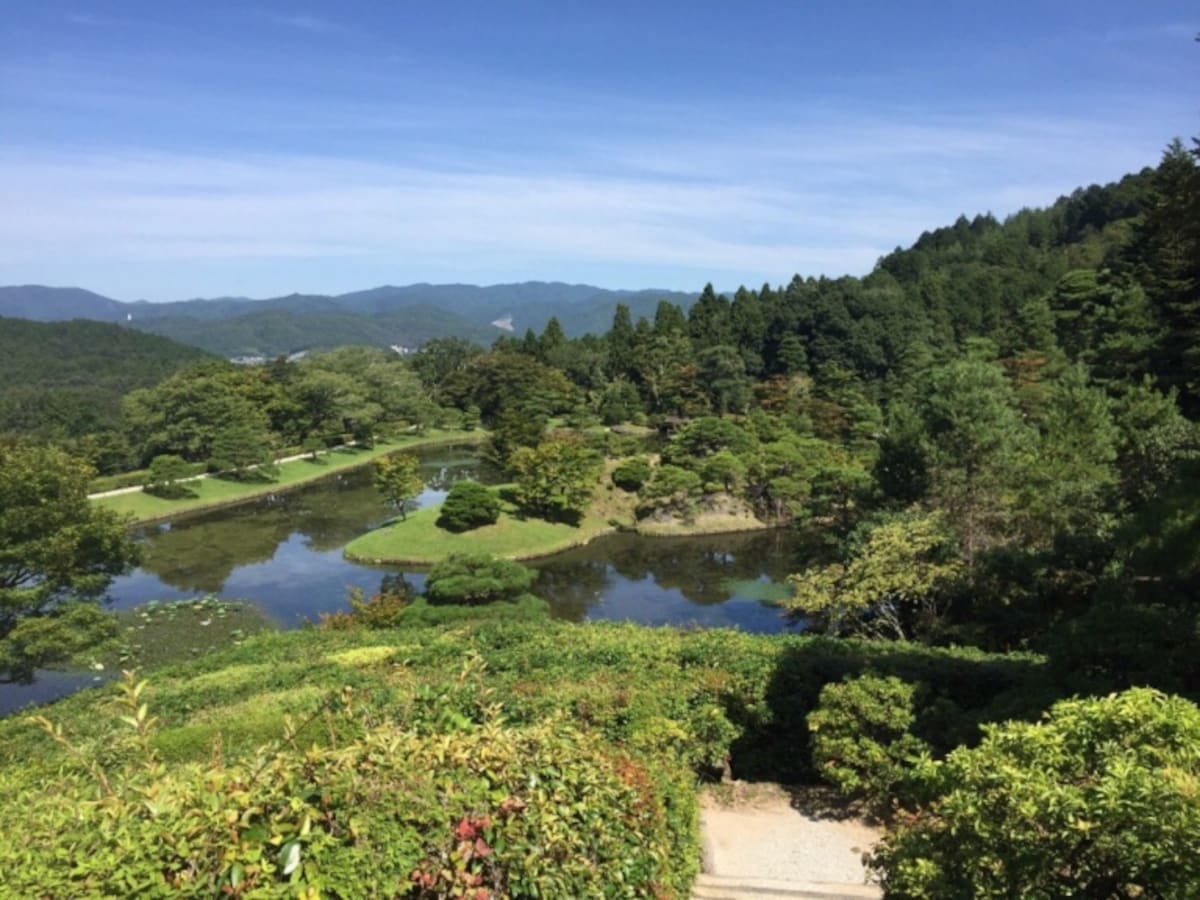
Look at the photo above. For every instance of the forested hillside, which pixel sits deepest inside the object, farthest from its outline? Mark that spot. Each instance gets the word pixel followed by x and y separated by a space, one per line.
pixel 67 378
pixel 379 317
pixel 270 333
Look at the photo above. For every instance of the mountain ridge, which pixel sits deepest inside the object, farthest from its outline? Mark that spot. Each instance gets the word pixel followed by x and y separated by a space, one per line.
pixel 383 315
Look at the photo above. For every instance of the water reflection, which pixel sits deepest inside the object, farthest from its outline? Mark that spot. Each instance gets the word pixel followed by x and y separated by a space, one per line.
pixel 47 685
pixel 201 553
pixel 285 553
pixel 714 580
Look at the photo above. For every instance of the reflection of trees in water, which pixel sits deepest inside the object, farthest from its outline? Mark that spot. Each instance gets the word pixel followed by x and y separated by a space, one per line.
pixel 200 554
pixel 333 516
pixel 700 568
pixel 571 589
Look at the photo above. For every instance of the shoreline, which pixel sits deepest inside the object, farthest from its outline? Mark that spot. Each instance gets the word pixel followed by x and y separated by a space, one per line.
pixel 257 490
pixel 574 541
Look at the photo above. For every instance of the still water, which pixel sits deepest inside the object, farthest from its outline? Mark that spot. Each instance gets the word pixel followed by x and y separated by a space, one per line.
pixel 285 554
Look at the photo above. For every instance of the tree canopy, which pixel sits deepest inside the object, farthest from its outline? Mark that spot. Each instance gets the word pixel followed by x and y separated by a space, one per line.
pixel 54 547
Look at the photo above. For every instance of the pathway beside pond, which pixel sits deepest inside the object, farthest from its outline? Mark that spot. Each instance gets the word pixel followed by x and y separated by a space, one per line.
pixel 294 472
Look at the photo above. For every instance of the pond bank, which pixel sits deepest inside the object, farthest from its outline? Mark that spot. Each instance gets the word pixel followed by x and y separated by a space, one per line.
pixel 215 493
pixel 419 541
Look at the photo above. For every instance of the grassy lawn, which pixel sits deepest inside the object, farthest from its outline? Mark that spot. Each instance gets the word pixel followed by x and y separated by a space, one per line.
pixel 419 541
pixel 214 492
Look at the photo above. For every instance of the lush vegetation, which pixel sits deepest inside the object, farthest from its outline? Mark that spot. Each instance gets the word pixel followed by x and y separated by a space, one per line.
pixel 1111 784
pixel 55 551
pixel 403 740
pixel 66 379
pixel 991 440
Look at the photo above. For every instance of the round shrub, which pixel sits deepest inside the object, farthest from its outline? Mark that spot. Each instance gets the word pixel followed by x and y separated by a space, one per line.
pixel 469 505
pixel 632 474
pixel 477 578
pixel 167 477
pixel 861 740
pixel 1100 799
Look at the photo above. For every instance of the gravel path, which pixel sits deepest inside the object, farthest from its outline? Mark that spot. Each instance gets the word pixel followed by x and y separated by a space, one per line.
pixel 116 492
pixel 762 831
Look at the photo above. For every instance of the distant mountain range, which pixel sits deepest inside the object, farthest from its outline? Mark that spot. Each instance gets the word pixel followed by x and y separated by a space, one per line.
pixel 383 316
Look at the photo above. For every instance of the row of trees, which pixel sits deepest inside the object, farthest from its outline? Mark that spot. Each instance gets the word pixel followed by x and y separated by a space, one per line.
pixel 236 417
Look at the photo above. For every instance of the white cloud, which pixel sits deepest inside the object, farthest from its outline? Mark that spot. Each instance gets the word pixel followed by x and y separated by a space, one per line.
pixel 828 194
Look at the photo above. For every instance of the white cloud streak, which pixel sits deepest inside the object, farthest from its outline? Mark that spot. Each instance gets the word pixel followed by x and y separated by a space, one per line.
pixel 302 22
pixel 826 196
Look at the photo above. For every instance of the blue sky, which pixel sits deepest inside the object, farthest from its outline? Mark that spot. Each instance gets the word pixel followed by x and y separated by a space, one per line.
pixel 165 150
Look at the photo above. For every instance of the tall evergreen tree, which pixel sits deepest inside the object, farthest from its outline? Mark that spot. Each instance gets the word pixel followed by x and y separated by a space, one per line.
pixel 621 345
pixel 1170 257
pixel 709 321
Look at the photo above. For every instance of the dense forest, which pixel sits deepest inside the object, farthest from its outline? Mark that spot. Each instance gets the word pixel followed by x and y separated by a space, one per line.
pixel 991 441
pixel 66 379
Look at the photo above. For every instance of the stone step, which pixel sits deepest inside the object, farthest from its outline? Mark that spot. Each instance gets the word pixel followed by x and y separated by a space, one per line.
pixel 725 887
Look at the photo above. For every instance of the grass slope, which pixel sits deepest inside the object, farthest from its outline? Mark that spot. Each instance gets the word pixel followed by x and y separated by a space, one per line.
pixel 689 690
pixel 419 541
pixel 216 492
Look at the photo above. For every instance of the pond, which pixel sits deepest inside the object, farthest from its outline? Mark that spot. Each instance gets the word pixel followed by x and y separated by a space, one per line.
pixel 284 553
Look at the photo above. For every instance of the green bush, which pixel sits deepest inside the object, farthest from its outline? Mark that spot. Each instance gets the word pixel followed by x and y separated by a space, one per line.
pixel 1100 799
pixel 861 741
pixel 632 474
pixel 671 488
pixel 383 609
pixel 468 505
pixel 166 477
pixel 498 811
pixel 477 578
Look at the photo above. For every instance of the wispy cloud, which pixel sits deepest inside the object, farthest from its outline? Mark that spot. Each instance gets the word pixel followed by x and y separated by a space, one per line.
pixel 828 196
pixel 304 22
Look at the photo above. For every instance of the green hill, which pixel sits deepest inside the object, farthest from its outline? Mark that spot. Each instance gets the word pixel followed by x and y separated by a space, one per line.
pixel 68 378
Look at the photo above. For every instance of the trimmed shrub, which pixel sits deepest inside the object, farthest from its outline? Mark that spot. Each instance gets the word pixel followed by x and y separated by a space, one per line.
pixel 468 505
pixel 166 475
pixel 477 578
pixel 632 474
pixel 1100 799
pixel 861 741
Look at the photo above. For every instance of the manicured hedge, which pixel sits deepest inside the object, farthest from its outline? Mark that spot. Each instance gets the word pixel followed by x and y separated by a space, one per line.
pixel 420 734
pixel 487 810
